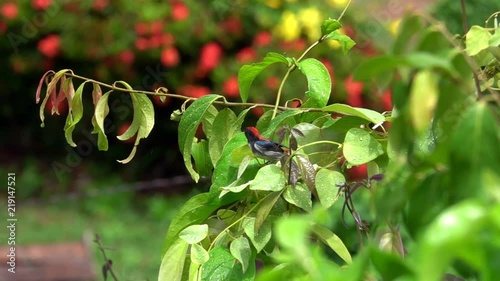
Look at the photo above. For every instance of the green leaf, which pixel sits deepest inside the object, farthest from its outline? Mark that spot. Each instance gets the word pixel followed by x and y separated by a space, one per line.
pixel 260 238
pixel 194 233
pixel 327 186
pixel 333 241
pixel 200 152
pixel 194 211
pixel 268 178
pixel 222 132
pixel 244 164
pixel 233 187
pixel 198 254
pixel 239 155
pixel 291 233
pixel 423 100
pixel 240 249
pixel 224 172
pixel 172 263
pixel 265 208
pixel 318 82
pixel 219 266
pixel 278 120
pixel 425 60
pixel 477 39
pixel 390 266
pixel 495 39
pixel 360 147
pixel 364 113
pixel 75 114
pixel 247 73
pixel 330 25
pixel 101 111
pixel 187 129
pixel 346 43
pixel 377 66
pixel 299 196
pixel 143 122
pixel 410 27
pixel 454 234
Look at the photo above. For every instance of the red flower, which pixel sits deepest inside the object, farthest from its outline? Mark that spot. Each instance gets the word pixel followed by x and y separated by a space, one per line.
pixel 167 39
pixel 157 27
pixel 9 10
pixel 155 41
pixel 262 39
pixel 246 55
pixel 232 25
pixel 170 57
pixel 387 100
pixel 126 57
pixel 100 5
pixel 141 28
pixel 272 82
pixel 230 87
pixel 50 46
pixel 3 27
pixel 194 91
pixel 329 67
pixel 141 43
pixel 297 45
pixel 354 92
pixel 210 56
pixel 41 4
pixel 179 11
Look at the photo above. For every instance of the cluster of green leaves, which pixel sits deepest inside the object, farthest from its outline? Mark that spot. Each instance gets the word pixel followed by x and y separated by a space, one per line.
pixel 440 163
pixel 143 119
pixel 439 193
pixel 483 45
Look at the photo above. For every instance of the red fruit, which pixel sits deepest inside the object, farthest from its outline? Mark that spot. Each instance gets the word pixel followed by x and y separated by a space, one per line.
pixel 41 4
pixel 50 46
pixel 272 82
pixel 9 10
pixel 141 28
pixel 246 55
pixel 387 100
pixel 126 57
pixel 354 92
pixel 262 39
pixel 122 129
pixel 297 45
pixel 210 56
pixel 179 11
pixel 170 57
pixel 358 172
pixel 230 87
pixel 141 43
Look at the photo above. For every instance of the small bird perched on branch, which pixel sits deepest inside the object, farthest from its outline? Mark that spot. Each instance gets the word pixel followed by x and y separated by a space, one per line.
pixel 262 147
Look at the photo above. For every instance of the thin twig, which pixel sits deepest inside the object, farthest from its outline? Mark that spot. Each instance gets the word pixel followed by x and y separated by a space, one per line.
pixel 466 29
pixel 108 263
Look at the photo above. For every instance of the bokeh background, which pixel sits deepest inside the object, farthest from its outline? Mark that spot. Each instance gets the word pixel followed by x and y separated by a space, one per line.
pixel 192 48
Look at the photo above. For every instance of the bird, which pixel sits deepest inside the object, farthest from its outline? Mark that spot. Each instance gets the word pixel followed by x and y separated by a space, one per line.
pixel 262 147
